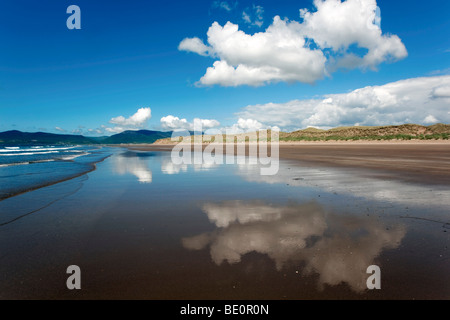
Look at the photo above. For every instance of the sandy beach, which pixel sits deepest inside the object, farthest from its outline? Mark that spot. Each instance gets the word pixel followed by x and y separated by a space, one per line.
pixel 143 227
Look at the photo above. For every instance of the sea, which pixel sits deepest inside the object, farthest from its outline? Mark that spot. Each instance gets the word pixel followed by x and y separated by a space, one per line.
pixel 29 167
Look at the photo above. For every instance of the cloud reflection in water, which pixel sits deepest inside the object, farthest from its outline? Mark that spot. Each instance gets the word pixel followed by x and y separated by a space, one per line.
pixel 337 247
pixel 135 163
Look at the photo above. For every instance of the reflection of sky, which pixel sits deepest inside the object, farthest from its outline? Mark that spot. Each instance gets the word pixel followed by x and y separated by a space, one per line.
pixel 168 167
pixel 330 180
pixel 337 247
pixel 138 164
pixel 340 181
pixel 195 162
pixel 130 162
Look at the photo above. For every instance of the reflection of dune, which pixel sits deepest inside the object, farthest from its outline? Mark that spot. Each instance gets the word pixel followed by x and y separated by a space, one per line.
pixel 135 165
pixel 338 248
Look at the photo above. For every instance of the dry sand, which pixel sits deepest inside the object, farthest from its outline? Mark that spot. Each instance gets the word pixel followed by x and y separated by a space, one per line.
pixel 416 161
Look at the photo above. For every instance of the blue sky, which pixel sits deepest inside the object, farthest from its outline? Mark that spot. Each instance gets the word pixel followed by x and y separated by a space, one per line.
pixel 127 56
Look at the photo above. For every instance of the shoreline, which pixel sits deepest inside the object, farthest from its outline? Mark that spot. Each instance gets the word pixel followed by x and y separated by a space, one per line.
pixel 400 159
pixel 92 167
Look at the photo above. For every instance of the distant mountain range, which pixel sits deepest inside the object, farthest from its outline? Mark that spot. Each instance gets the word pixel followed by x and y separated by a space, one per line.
pixel 400 132
pixel 15 137
pixel 140 136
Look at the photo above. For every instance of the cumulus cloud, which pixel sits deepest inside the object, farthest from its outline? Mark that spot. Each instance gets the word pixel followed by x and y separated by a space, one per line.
pixel 418 100
pixel 337 25
pixel 278 54
pixel 430 119
pixel 174 123
pixel 294 51
pixel 134 122
pixel 247 125
pixel 211 126
pixel 194 45
pixel 442 91
pixel 244 125
pixel 171 122
pixel 207 123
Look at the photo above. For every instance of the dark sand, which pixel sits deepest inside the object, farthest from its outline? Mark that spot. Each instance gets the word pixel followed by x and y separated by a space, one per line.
pixel 142 227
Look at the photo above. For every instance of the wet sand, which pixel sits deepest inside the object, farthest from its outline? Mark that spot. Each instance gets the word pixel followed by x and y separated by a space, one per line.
pixel 420 162
pixel 142 227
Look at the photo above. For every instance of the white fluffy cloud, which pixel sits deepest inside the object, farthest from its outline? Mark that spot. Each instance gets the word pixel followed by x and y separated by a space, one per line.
pixel 293 51
pixel 194 45
pixel 442 91
pixel 171 122
pixel 278 54
pixel 247 125
pixel 136 121
pixel 244 125
pixel 337 25
pixel 418 100
pixel 174 123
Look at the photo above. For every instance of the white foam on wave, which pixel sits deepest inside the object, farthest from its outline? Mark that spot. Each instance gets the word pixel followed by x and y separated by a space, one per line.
pixel 24 163
pixel 74 156
pixel 25 153
pixel 37 150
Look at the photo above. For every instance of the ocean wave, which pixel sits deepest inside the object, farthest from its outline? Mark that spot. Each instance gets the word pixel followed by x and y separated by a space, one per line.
pixel 26 153
pixel 20 175
pixel 73 156
pixel 24 163
pixel 34 149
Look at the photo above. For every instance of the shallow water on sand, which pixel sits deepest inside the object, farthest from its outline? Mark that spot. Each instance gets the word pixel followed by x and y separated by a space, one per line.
pixel 31 167
pixel 141 227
